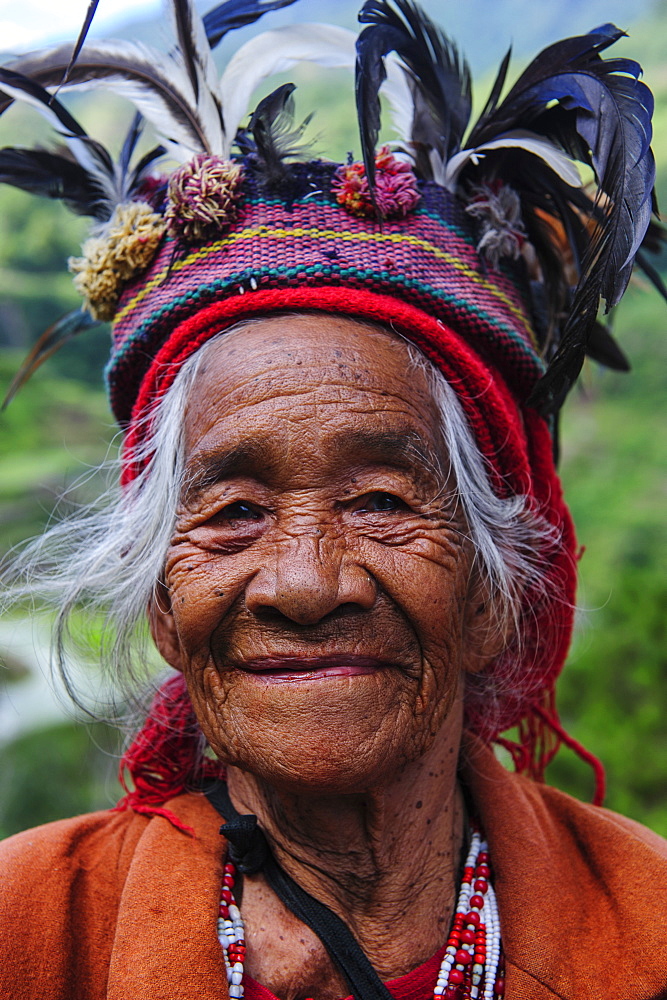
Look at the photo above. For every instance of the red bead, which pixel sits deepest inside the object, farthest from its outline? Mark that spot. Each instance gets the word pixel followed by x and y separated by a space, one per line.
pixel 463 957
pixel 468 937
pixel 481 885
pixel 472 918
pixel 499 987
pixel 480 957
pixel 483 871
pixel 228 881
pixel 227 895
pixel 477 901
pixel 229 869
pixel 482 858
pixel 456 977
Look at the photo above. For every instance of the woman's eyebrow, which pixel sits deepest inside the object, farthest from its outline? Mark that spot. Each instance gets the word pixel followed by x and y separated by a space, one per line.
pixel 403 447
pixel 211 466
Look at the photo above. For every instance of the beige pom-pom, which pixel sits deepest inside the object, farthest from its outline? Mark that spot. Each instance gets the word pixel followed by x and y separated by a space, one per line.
pixel 125 248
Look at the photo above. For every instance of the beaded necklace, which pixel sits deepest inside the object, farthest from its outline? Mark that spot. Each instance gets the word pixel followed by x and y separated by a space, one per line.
pixel 473 965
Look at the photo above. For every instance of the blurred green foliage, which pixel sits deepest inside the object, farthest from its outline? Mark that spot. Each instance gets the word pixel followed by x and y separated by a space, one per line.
pixel 57 771
pixel 614 463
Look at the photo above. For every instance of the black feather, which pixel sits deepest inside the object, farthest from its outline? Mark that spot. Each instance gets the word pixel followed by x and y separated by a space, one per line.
pixel 53 176
pixel 275 136
pixel 51 340
pixel 130 143
pixel 602 347
pixel 234 14
pixel 651 273
pixel 597 111
pixel 83 34
pixel 183 13
pixel 439 78
pixel 33 89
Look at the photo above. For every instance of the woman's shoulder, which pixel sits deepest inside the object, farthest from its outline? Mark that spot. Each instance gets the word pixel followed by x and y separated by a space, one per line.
pixel 64 888
pixel 66 845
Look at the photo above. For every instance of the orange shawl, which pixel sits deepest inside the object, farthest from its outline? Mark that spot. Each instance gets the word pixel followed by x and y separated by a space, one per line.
pixel 123 907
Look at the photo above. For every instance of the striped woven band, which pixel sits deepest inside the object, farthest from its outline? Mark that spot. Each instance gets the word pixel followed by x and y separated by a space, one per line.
pixel 305 238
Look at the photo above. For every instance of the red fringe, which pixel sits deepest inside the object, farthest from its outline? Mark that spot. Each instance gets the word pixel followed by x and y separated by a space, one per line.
pixel 166 757
pixel 539 737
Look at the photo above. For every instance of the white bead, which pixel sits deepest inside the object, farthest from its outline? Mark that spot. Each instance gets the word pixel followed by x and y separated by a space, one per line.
pixel 234 912
pixel 236 978
pixel 476 978
pixel 238 967
pixel 451 950
pixel 438 991
pixel 236 991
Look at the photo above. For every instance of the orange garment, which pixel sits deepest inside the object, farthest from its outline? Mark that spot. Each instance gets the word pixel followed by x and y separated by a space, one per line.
pixel 123 907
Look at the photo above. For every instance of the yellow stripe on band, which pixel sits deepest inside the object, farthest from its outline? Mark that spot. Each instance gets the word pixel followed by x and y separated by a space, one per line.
pixel 314 233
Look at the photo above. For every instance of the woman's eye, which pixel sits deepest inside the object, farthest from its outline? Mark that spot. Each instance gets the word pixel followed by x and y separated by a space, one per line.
pixel 238 511
pixel 375 503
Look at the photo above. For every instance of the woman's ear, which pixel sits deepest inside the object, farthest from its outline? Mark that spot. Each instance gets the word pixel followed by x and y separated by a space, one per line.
pixel 163 626
pixel 488 626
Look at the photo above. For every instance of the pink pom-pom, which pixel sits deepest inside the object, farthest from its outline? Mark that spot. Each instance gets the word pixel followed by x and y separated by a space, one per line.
pixel 396 191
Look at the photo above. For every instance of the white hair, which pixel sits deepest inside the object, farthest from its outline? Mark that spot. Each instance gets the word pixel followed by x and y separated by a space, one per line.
pixel 104 562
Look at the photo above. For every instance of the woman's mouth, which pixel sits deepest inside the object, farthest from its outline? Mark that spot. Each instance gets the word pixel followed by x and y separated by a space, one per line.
pixel 279 669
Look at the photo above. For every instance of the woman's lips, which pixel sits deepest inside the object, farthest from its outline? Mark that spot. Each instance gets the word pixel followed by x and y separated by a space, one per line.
pixel 306 668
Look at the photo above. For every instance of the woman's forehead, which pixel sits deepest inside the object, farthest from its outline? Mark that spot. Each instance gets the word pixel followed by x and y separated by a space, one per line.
pixel 307 369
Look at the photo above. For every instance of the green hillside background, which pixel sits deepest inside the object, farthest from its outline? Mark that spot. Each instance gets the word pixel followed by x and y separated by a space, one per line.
pixel 612 694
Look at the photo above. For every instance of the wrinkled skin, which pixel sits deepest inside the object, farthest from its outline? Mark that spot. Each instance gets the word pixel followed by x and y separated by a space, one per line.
pixel 319 522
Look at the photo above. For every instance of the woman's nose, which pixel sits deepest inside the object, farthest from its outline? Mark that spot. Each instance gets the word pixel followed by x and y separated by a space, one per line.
pixel 310 577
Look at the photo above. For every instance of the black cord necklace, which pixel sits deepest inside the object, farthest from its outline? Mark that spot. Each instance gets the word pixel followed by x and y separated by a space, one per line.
pixel 250 852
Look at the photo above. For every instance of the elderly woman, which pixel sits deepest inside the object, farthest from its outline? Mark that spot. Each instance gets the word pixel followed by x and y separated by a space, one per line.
pixel 340 510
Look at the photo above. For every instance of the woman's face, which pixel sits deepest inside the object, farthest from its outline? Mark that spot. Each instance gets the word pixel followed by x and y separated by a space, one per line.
pixel 321 601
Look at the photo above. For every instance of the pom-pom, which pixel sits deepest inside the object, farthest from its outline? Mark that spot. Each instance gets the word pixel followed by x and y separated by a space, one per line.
pixel 396 191
pixel 503 232
pixel 124 248
pixel 203 198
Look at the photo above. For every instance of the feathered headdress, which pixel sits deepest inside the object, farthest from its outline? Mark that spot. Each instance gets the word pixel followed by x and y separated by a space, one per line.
pixel 516 169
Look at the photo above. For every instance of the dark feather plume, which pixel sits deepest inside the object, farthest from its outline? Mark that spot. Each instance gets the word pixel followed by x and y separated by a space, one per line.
pixel 83 34
pixel 53 175
pixel 275 137
pixel 183 16
pixel 602 347
pixel 51 340
pixel 598 111
pixel 439 78
pixel 234 14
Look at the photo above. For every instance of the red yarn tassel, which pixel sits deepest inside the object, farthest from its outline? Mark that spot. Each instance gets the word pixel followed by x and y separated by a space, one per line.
pixel 166 756
pixel 554 723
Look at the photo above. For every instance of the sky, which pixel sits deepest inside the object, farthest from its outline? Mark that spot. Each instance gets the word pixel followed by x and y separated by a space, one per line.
pixel 26 24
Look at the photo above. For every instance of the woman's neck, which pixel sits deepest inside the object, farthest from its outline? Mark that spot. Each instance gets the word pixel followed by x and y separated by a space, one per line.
pixel 386 861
